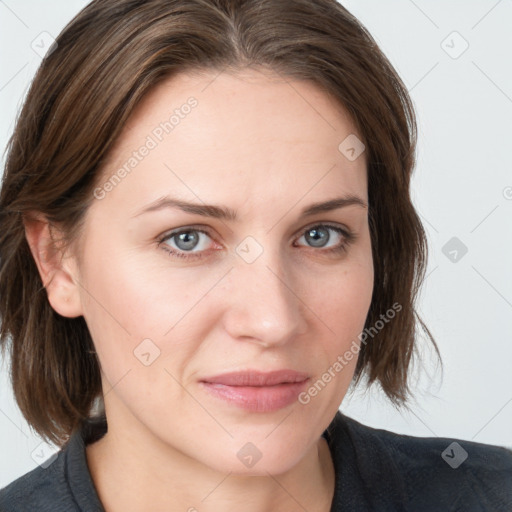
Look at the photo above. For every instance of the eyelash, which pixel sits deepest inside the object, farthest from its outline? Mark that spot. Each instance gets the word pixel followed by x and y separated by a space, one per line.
pixel 348 238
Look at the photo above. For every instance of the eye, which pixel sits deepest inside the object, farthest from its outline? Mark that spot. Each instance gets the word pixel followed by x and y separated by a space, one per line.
pixel 184 241
pixel 191 242
pixel 319 236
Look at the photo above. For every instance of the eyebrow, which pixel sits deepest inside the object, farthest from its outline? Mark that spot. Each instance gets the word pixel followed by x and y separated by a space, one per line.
pixel 225 213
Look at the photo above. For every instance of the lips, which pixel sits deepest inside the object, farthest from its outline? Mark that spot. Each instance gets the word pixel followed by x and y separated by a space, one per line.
pixel 257 391
pixel 255 378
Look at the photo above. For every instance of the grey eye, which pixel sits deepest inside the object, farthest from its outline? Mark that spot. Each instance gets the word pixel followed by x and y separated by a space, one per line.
pixel 186 240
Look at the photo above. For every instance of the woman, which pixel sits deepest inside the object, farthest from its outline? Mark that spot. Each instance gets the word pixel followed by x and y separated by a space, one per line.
pixel 207 238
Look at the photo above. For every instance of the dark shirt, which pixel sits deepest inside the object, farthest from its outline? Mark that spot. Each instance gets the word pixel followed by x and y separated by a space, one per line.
pixel 375 470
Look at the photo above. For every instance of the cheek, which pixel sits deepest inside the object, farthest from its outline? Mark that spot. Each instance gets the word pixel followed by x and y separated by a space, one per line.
pixel 342 308
pixel 117 309
pixel 342 304
pixel 139 313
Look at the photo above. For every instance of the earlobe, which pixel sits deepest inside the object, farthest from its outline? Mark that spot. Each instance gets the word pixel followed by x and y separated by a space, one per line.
pixel 57 272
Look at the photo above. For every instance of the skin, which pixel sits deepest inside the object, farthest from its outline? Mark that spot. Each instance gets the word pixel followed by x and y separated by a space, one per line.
pixel 267 148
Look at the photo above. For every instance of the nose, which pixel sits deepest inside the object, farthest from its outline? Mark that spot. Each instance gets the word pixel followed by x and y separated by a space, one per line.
pixel 263 303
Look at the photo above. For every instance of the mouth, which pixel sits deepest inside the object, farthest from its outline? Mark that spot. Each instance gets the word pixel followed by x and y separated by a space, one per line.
pixel 257 391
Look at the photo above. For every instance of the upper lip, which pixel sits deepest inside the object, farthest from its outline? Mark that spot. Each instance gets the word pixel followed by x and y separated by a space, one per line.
pixel 257 378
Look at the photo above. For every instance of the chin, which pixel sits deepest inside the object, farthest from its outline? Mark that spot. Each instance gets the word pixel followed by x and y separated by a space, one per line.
pixel 275 464
pixel 275 454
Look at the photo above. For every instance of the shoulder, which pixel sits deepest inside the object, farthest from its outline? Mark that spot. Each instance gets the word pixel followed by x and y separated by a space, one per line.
pixel 60 484
pixel 454 452
pixel 434 471
pixel 42 489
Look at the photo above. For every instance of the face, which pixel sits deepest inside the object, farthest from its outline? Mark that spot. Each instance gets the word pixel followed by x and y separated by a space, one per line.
pixel 222 320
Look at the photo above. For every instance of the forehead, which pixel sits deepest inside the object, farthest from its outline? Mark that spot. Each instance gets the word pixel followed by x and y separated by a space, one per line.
pixel 242 137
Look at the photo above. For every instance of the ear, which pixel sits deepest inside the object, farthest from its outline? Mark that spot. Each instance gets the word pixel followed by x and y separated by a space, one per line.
pixel 57 271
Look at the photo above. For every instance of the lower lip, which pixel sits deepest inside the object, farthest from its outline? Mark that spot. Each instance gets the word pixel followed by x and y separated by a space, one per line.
pixel 257 398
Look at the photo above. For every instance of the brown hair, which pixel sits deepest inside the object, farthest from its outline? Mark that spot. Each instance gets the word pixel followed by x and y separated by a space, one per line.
pixel 105 61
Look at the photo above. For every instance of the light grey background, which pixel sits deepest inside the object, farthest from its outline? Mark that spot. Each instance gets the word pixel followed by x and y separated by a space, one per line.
pixel 462 188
